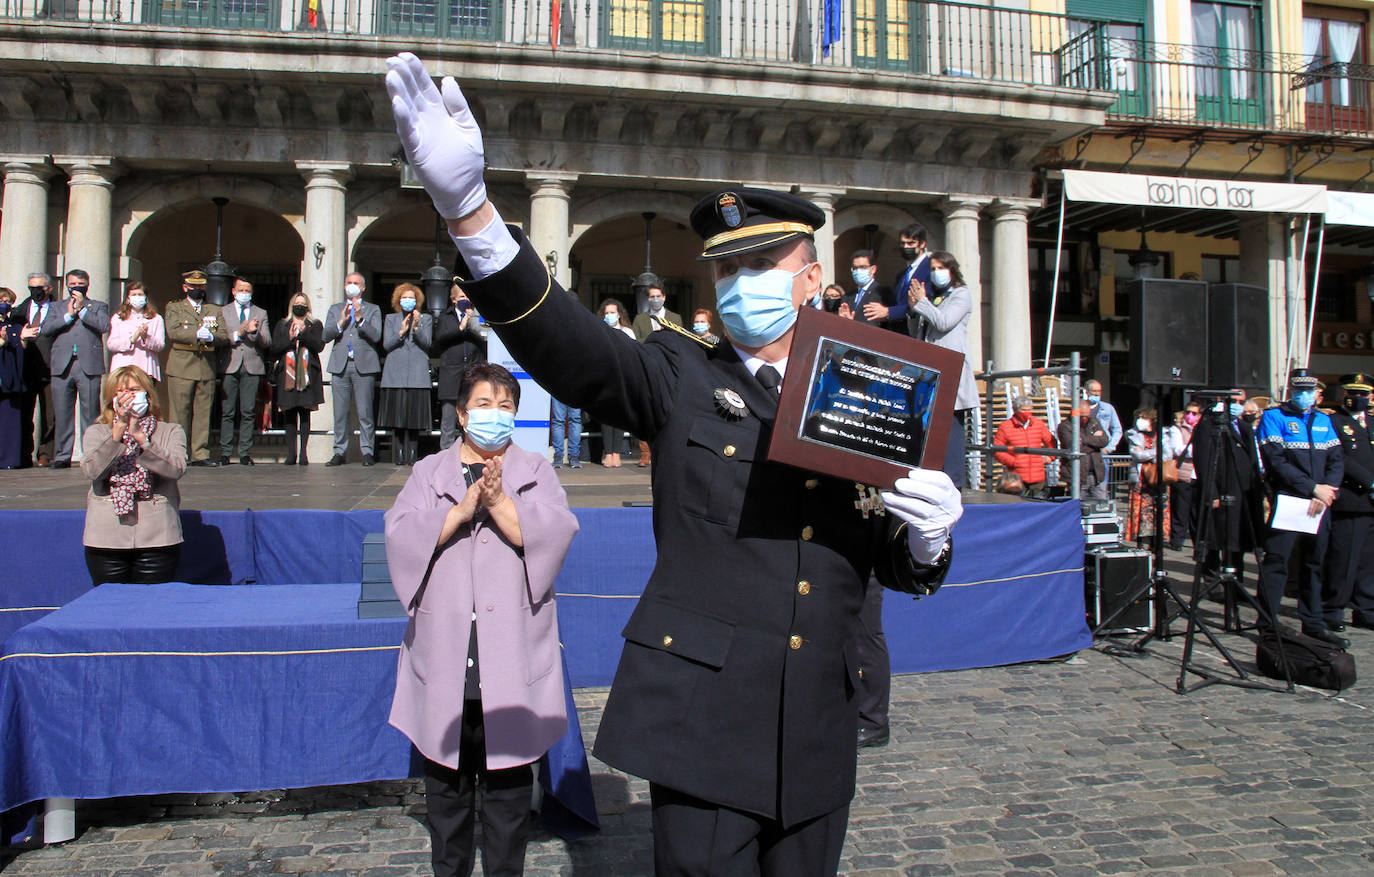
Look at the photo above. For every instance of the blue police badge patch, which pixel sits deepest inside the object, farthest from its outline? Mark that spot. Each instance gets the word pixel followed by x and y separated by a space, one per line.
pixel 1293 427
pixel 727 205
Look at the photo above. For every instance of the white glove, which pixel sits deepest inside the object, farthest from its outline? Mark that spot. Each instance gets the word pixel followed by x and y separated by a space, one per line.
pixel 205 334
pixel 930 504
pixel 439 135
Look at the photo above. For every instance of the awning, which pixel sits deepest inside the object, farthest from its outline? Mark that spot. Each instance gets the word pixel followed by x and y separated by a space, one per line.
pixel 1350 208
pixel 1193 193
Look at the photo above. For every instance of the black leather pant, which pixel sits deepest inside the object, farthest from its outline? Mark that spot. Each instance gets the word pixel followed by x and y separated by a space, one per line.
pixel 133 566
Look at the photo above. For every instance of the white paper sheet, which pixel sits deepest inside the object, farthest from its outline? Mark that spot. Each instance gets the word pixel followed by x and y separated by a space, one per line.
pixel 1290 513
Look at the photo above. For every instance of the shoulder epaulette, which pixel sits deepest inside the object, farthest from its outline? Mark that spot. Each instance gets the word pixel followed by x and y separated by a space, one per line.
pixel 686 333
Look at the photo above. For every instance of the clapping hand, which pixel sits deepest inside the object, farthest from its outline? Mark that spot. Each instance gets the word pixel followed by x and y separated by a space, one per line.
pixel 252 326
pixel 875 310
pixel 442 142
pixel 916 292
pixel 492 494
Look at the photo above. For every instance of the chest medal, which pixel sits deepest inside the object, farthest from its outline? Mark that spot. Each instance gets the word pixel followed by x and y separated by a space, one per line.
pixel 870 500
pixel 730 404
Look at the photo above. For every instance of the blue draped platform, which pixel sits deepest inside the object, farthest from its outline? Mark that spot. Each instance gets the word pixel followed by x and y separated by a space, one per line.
pixel 132 690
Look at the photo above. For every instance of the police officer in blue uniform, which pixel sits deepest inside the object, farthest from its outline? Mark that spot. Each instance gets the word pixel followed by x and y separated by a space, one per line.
pixel 735 691
pixel 1302 457
pixel 1349 570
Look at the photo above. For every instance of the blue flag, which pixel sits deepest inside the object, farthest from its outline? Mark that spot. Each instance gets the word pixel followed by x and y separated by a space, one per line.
pixel 830 30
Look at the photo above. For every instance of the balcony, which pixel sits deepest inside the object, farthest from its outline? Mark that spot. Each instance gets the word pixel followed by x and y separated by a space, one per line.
pixel 1201 88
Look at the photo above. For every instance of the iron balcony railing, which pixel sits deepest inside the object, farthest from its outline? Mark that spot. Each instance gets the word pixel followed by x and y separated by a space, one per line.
pixel 1198 86
pixel 938 39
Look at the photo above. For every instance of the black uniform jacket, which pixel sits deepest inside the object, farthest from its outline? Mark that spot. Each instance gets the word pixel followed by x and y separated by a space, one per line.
pixel 1236 522
pixel 736 683
pixel 1356 496
pixel 456 349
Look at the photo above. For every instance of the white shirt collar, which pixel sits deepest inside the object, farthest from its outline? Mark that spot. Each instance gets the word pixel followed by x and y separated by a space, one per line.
pixel 753 363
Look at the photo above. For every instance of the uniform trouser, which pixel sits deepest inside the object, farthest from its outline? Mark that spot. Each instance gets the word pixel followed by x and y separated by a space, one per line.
pixel 1348 575
pixel 561 417
pixel 238 401
pixel 69 388
pixel 450 796
pixel 36 409
pixel 695 838
pixel 190 402
pixel 1181 511
pixel 354 389
pixel 1278 547
pixel 875 682
pixel 956 464
pixel 133 566
pixel 448 423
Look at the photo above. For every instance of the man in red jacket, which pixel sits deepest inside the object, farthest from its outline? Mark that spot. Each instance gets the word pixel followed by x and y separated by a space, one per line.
pixel 1023 430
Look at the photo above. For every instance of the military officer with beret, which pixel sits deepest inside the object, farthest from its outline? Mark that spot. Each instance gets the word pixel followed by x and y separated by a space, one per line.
pixel 735 691
pixel 195 331
pixel 1349 568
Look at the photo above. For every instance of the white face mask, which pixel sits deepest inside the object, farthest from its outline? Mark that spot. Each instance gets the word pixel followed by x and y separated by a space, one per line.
pixel 1142 424
pixel 353 290
pixel 140 404
pixel 939 277
pixel 138 301
pixel 243 298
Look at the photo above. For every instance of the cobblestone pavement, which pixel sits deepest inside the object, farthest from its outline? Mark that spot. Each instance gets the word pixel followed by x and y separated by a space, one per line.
pixel 1090 766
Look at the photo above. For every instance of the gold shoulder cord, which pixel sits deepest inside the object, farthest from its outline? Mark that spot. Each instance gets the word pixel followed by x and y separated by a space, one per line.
pixel 548 285
pixel 685 333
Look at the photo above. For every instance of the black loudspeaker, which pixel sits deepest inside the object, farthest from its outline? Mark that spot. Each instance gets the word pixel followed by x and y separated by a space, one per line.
pixel 1111 575
pixel 1168 333
pixel 1238 339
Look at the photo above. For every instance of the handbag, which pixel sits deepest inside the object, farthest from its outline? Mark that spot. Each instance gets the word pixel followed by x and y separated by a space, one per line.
pixel 1147 472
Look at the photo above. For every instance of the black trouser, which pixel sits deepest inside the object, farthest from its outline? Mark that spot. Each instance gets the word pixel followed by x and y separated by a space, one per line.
pixel 133 566
pixel 450 796
pixel 237 404
pixel 1348 574
pixel 405 444
pixel 956 463
pixel 290 418
pixel 875 682
pixel 37 405
pixel 1181 511
pixel 695 838
pixel 1278 548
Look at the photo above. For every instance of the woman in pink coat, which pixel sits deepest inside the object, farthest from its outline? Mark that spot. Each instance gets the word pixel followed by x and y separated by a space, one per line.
pixel 474 542
pixel 136 333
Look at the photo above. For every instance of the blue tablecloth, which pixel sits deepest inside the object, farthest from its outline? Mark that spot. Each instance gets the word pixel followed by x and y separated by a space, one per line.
pixel 135 689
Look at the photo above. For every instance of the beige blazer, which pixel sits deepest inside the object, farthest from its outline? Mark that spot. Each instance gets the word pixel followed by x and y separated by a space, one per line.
pixel 155 521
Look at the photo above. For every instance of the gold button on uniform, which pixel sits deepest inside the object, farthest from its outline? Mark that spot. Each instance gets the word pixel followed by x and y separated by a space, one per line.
pixel 729 450
pixel 812 483
pixel 667 641
pixel 795 642
pixel 803 587
pixel 807 532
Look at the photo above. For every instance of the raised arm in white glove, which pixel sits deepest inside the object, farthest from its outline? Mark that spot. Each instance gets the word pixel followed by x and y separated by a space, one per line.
pixel 442 142
pixel 930 504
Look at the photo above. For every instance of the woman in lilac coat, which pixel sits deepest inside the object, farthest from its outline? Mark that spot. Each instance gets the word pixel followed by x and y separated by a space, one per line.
pixel 474 542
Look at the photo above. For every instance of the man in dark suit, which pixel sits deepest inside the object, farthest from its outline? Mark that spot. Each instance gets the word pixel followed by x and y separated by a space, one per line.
pixel 458 343
pixel 355 363
pixel 1349 569
pixel 734 695
pixel 1230 482
pixel 36 401
pixel 874 302
pixel 241 370
pixel 913 241
pixel 76 326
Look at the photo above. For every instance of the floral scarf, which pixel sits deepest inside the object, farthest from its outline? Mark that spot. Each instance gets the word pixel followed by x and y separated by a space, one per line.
pixel 128 479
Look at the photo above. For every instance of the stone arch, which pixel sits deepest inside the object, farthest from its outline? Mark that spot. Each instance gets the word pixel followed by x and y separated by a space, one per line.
pixel 602 208
pixel 384 201
pixel 163 196
pixel 885 216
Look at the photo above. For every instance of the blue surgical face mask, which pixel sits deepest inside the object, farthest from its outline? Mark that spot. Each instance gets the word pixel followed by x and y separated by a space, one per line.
pixel 243 298
pixel 407 304
pixel 1305 399
pixel 1093 400
pixel 1236 409
pixel 611 319
pixel 860 275
pixel 756 306
pixel 490 428
pixel 939 277
pixel 701 328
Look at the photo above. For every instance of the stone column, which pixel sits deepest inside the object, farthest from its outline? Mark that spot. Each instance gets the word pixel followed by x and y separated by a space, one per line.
pixel 549 219
pixel 1261 238
pixel 322 276
pixel 89 221
pixel 1010 293
pixel 24 233
pixel 825 235
pixel 962 242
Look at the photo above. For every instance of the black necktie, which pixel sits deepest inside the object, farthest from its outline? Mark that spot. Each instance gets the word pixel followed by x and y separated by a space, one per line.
pixel 769 377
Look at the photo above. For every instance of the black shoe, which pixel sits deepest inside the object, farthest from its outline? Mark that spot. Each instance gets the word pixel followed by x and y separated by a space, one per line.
pixel 60 464
pixel 204 463
pixel 303 461
pixel 336 460
pixel 1336 626
pixel 289 461
pixel 1327 636
pixel 369 460
pixel 223 460
pixel 245 460
pixel 873 738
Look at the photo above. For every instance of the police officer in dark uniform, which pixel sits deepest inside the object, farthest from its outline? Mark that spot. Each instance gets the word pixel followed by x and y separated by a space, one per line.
pixel 1349 568
pixel 735 691
pixel 1302 458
